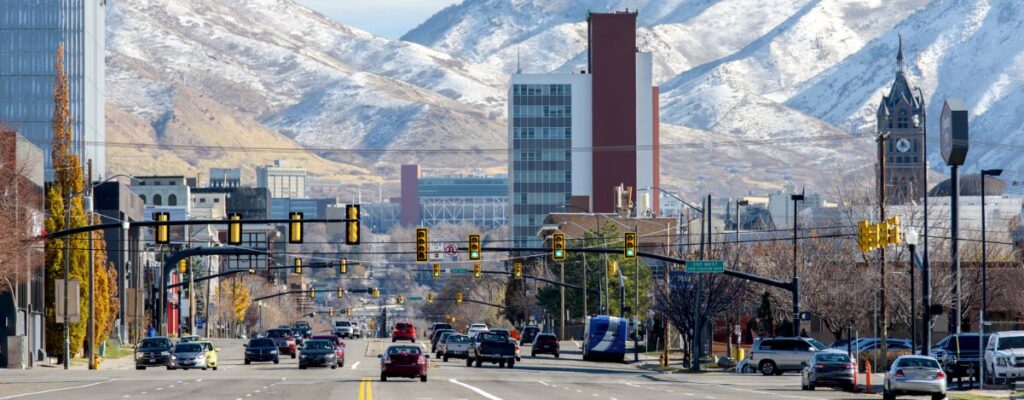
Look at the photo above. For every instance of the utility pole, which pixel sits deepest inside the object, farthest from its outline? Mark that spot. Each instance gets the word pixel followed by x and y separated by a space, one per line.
pixel 796 294
pixel 698 325
pixel 561 296
pixel 91 328
pixel 67 268
pixel 883 318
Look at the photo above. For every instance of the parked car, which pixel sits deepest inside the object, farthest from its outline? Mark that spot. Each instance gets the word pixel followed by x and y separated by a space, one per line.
pixel 153 352
pixel 829 368
pixel 776 355
pixel 492 348
pixel 261 349
pixel 545 343
pixel 339 346
pixel 188 355
pixel 343 329
pixel 959 354
pixel 404 331
pixel 211 353
pixel 404 361
pixel 1004 356
pixel 454 345
pixel 318 353
pixel 285 340
pixel 529 333
pixel 475 329
pixel 915 375
pixel 435 338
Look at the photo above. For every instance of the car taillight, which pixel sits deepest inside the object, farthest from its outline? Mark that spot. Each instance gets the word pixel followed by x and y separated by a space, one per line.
pixel 940 375
pixel 387 359
pixel 421 360
pixel 819 366
pixel 850 366
pixel 899 373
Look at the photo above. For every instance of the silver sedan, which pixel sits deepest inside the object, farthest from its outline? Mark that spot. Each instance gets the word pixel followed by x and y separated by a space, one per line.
pixel 915 375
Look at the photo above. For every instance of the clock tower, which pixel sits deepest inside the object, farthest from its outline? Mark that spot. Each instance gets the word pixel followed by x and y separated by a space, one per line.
pixel 901 116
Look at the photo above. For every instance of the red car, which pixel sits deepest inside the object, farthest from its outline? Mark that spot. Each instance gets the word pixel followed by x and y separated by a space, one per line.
pixel 284 340
pixel 404 361
pixel 339 347
pixel 403 331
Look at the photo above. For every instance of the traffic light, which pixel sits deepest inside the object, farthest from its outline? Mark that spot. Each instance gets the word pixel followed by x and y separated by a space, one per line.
pixel 558 246
pixel 348 312
pixel 372 324
pixel 183 266
pixel 517 269
pixel 873 237
pixel 401 299
pixel 295 227
pixel 474 247
pixel 352 224
pixel 332 311
pixel 422 244
pixel 437 270
pixel 613 268
pixel 894 231
pixel 312 292
pixel 234 229
pixel 375 292
pixel 629 246
pixel 343 266
pixel 883 234
pixel 477 271
pixel 430 297
pixel 162 230
pixel 298 266
pixel 458 297
pixel 863 228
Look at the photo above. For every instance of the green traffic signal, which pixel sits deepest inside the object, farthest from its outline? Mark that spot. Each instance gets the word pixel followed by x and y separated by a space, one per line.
pixel 558 253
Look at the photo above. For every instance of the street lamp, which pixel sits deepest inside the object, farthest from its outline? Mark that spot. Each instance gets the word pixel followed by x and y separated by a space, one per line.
pixel 912 237
pixel 796 295
pixel 984 254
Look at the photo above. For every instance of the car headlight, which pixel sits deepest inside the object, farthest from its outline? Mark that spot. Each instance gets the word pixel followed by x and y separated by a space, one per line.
pixel 273 352
pixel 164 353
pixel 1002 361
pixel 174 357
pixel 201 357
pixel 331 355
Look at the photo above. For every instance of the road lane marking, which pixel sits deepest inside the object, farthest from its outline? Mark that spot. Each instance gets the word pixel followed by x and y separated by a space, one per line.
pixel 365 389
pixel 55 390
pixel 475 389
pixel 542 383
pixel 356 364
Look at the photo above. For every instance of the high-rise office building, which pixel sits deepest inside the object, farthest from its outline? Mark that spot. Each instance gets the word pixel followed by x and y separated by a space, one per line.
pixel 577 136
pixel 30 32
pixel 283 180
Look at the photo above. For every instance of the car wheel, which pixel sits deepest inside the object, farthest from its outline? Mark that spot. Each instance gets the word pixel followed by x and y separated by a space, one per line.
pixel 276 360
pixel 139 367
pixel 393 340
pixel 413 340
pixel 204 369
pixel 519 359
pixel 247 362
pixel 293 355
pixel 479 362
pixel 501 364
pixel 383 378
pixel 938 396
pixel 888 395
pixel 445 358
pixel 334 366
pixel 170 369
pixel 423 378
pixel 302 366
pixel 214 368
pixel 556 355
pixel 511 364
pixel 342 364
pixel 810 387
pixel 534 355
pixel 469 362
pixel 767 368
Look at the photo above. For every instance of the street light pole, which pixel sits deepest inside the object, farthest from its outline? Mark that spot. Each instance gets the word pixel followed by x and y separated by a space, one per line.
pixel 796 296
pixel 67 268
pixel 984 253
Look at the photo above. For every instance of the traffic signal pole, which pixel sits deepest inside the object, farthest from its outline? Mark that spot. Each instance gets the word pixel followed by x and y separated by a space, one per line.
pixel 882 314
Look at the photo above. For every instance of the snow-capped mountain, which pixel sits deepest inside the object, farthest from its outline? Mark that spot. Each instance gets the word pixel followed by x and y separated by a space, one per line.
pixel 776 69
pixel 295 73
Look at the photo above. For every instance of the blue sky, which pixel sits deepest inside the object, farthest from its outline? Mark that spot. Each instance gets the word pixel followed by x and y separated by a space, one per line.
pixel 387 18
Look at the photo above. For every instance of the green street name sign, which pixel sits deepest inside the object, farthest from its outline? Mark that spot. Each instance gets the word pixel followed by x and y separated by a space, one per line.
pixel 459 271
pixel 705 266
pixel 414 298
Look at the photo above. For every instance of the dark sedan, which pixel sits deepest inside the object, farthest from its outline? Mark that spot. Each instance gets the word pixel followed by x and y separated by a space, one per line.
pixel 545 343
pixel 318 353
pixel 339 347
pixel 261 349
pixel 828 368
pixel 153 352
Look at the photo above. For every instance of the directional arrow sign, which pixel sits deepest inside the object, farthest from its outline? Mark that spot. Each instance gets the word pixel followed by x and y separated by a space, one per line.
pixel 705 266
pixel 459 270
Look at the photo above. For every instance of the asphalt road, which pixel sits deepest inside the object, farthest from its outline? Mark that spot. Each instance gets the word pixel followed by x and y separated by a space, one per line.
pixel 533 378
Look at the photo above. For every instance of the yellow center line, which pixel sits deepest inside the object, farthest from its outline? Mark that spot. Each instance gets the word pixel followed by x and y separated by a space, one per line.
pixel 365 389
pixel 362 389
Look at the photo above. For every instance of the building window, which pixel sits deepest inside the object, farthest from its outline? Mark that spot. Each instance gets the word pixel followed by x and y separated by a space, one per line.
pixel 156 183
pixel 202 200
pixel 172 200
pixel 157 200
pixel 216 200
pixel 172 183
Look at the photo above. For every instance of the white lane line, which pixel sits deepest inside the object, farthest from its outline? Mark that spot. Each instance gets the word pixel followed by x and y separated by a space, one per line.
pixel 144 392
pixel 690 394
pixel 476 389
pixel 542 383
pixel 159 389
pixel 54 390
pixel 772 394
pixel 354 366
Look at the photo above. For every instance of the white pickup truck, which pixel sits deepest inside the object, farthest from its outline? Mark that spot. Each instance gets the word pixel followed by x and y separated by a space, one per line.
pixel 455 346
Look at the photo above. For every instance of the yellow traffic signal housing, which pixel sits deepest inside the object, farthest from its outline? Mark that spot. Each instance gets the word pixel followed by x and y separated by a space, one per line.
pixel 474 247
pixel 298 266
pixel 517 269
pixel 332 311
pixel 871 239
pixel 376 292
pixel 863 228
pixel 162 234
pixel 312 292
pixel 477 271
pixel 234 229
pixel 430 297
pixel 422 244
pixel 401 299
pixel 894 231
pixel 352 224
pixel 613 268
pixel 372 324
pixel 295 227
pixel 348 311
pixel 883 234
pixel 558 246
pixel 341 293
pixel 437 270
pixel 458 297
pixel 343 266
pixel 182 266
pixel 629 246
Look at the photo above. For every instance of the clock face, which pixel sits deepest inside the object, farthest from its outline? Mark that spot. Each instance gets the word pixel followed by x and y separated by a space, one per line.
pixel 903 145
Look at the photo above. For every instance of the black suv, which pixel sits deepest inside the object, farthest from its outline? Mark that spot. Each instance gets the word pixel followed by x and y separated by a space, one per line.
pixel 153 352
pixel 959 355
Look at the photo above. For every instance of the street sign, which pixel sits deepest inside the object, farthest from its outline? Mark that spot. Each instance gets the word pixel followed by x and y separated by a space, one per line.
pixel 451 249
pixel 805 316
pixel 705 266
pixel 459 270
pixel 414 298
pixel 73 300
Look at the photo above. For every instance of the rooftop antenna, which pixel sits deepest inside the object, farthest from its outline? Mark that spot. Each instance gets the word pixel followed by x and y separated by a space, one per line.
pixel 519 68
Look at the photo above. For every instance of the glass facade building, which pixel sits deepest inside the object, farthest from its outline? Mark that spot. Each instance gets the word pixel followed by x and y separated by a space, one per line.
pixel 541 159
pixel 30 31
